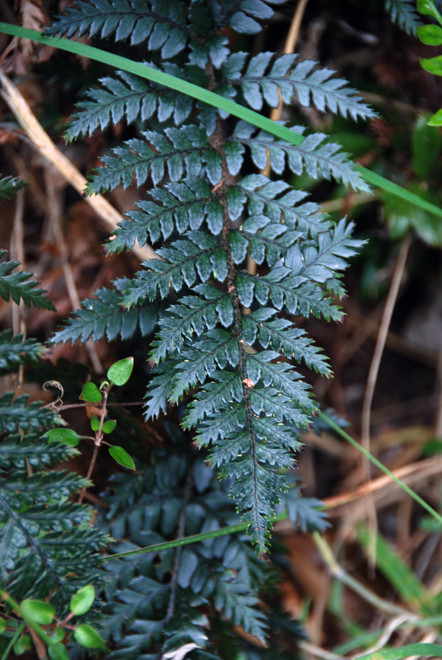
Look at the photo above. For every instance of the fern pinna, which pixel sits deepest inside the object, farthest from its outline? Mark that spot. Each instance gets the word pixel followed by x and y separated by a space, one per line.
pixel 227 343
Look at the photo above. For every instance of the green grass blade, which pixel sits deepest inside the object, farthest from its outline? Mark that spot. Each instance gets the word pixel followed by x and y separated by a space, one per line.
pixel 421 650
pixel 400 576
pixel 204 95
pixel 381 466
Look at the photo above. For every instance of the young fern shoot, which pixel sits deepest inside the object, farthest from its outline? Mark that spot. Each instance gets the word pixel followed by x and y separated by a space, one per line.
pixel 227 341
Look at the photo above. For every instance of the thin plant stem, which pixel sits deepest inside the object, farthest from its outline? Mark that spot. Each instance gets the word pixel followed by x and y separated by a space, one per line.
pixel 380 466
pixel 97 445
pixel 7 650
pixel 373 373
pixel 340 574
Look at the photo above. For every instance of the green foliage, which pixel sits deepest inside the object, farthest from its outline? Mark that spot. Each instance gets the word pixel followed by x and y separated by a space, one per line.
pixel 106 316
pixel 9 186
pixel 245 402
pixel 432 36
pixel 155 605
pixel 17 350
pixel 403 12
pixel 19 285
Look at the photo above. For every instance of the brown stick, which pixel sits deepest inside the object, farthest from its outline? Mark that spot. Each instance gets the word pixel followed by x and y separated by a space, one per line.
pixel 108 215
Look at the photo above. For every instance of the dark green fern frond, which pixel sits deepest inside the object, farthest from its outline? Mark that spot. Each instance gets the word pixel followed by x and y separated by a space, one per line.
pixel 313 155
pixel 19 285
pixel 153 607
pixel 126 97
pixel 9 186
pixel 17 350
pixel 176 207
pixel 404 13
pixel 285 77
pixel 181 150
pixel 106 316
pixel 161 24
pixel 20 414
pixel 278 201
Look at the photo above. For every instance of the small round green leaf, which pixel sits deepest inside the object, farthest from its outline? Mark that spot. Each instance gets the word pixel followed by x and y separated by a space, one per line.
pixel 68 436
pixel 95 423
pixel 91 393
pixel 57 652
pixel 119 373
pixel 38 611
pixel 109 426
pixel 121 456
pixel 88 637
pixel 81 601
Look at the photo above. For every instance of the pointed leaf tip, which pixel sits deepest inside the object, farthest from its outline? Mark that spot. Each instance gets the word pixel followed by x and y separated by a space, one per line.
pixel 119 373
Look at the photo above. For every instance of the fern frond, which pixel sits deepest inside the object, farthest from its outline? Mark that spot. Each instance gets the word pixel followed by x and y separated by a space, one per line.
pixel 182 150
pixel 106 316
pixel 162 25
pixel 126 97
pixel 202 359
pixel 21 286
pixel 278 201
pixel 194 314
pixel 320 263
pixel 286 291
pixel 264 81
pixel 282 336
pixel 313 155
pixel 221 576
pixel 243 16
pixel 184 262
pixel 176 207
pixel 9 186
pixel 17 453
pixel 20 414
pixel 404 14
pixel 17 350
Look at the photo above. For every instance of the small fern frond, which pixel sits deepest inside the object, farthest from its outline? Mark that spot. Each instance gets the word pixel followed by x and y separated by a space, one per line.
pixel 17 350
pixel 264 81
pixel 162 25
pixel 19 285
pixel 282 336
pixel 106 316
pixel 176 207
pixel 9 186
pixel 404 14
pixel 220 577
pixel 182 150
pixel 126 97
pixel 314 156
pixel 279 201
pixel 243 16
pixel 184 262
pixel 17 453
pixel 20 414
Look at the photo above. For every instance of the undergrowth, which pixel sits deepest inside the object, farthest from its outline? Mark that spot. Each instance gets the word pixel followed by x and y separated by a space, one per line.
pixel 241 256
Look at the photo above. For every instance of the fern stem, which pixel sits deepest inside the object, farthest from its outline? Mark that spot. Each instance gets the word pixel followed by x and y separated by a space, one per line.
pixel 211 98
